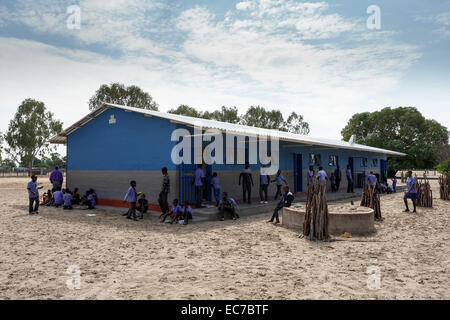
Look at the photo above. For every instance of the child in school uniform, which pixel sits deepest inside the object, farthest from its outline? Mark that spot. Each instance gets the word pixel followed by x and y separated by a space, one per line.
pixel 58 198
pixel 333 183
pixel 142 206
pixel 89 200
pixel 216 187
pixel 76 197
pixel 279 179
pixel 131 198
pixel 322 176
pixel 174 211
pixel 187 212
pixel 47 198
pixel 67 197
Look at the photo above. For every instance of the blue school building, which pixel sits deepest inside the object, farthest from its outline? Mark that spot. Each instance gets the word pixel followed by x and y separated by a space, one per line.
pixel 116 144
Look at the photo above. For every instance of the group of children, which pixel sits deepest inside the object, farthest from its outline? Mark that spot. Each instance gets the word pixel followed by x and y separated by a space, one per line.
pixel 178 213
pixel 247 180
pixel 67 199
pixel 137 202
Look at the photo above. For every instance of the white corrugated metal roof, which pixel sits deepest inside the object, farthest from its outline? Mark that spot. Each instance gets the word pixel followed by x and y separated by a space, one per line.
pixel 225 126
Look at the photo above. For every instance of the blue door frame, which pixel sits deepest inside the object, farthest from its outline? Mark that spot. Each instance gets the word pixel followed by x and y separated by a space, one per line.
pixel 298 170
pixel 350 162
pixel 186 183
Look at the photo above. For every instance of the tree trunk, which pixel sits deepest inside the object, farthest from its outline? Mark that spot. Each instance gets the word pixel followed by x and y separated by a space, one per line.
pixel 30 167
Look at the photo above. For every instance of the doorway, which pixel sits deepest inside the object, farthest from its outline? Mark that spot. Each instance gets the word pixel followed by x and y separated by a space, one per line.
pixel 298 170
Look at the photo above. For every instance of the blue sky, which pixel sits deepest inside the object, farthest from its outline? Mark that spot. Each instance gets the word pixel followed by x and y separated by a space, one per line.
pixel 317 58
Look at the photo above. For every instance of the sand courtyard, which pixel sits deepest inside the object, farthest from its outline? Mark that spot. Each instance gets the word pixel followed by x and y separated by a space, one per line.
pixel 244 259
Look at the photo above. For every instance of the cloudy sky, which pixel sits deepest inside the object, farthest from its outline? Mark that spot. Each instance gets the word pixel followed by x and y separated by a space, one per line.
pixel 317 58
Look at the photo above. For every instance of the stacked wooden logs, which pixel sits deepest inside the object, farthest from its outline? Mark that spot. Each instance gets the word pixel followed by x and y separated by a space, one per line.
pixel 371 199
pixel 444 186
pixel 424 193
pixel 315 226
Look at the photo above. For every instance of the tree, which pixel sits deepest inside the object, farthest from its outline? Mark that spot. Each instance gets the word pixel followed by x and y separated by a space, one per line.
pixel 255 117
pixel 401 129
pixel 29 132
pixel 444 167
pixel 117 93
pixel 185 110
pixel 261 118
pixel 224 114
pixel 1 145
pixel 55 160
pixel 296 124
pixel 8 164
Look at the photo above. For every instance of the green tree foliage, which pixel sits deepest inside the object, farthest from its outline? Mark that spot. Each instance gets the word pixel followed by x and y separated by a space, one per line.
pixel 225 114
pixel 8 164
pixel 117 93
pixel 402 129
pixel 29 132
pixel 296 124
pixel 255 117
pixel 185 110
pixel 444 166
pixel 54 160
pixel 262 118
pixel 1 145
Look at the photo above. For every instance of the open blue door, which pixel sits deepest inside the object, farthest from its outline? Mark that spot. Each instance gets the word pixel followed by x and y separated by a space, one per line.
pixel 298 169
pixel 383 170
pixel 187 190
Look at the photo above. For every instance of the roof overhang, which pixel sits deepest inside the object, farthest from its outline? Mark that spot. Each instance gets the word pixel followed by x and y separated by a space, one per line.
pixel 225 127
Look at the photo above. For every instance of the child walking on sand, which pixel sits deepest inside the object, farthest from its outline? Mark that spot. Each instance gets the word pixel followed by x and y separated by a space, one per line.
pixel 131 198
pixel 33 196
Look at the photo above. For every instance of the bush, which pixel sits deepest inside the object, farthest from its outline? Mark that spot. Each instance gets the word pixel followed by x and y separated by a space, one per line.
pixel 444 166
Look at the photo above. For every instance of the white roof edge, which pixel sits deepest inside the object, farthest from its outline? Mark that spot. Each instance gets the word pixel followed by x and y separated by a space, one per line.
pixel 224 126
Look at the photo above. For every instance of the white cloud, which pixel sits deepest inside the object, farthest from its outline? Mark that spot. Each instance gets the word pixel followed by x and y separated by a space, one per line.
pixel 244 5
pixel 441 21
pixel 261 55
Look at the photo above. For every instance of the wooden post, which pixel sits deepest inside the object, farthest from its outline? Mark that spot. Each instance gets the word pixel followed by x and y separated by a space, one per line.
pixel 315 226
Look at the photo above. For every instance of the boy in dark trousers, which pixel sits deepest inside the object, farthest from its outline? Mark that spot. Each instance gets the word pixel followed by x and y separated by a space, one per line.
pixel 247 182
pixel 33 196
pixel 131 198
pixel 285 201
pixel 143 206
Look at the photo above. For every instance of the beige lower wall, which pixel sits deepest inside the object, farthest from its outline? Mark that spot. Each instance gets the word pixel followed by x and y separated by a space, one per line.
pixel 114 184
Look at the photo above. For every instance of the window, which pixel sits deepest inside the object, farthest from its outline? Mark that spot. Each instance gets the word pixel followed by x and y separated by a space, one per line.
pixel 374 163
pixel 314 159
pixel 364 162
pixel 332 161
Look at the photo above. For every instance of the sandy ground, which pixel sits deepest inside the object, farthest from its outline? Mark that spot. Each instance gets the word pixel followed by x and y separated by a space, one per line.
pixel 244 259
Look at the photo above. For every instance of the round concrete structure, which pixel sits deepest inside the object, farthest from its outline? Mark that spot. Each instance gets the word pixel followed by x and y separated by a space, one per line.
pixel 353 219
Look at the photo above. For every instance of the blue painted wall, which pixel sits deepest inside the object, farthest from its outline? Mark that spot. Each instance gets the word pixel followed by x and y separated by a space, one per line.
pixel 134 142
pixel 287 159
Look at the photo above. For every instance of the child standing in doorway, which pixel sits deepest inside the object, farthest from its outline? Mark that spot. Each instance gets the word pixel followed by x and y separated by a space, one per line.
pixel 215 184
